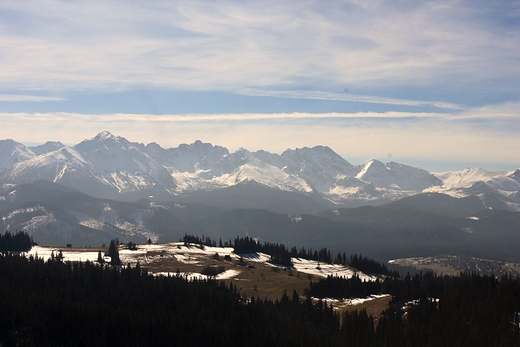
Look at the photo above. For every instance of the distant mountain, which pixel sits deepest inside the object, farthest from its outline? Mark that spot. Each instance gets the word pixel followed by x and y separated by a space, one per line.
pixel 112 167
pixel 319 166
pixel 56 215
pixel 187 158
pixel 422 225
pixel 107 187
pixel 385 232
pixel 47 147
pixel 397 176
pixel 12 152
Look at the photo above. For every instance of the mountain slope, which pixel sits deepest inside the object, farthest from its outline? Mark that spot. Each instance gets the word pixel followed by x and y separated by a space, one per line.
pixel 318 165
pixel 422 225
pixel 55 215
pixel 397 176
pixel 187 158
pixel 12 152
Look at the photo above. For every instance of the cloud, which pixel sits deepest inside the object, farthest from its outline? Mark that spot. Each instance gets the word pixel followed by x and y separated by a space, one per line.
pixel 320 95
pixel 28 98
pixel 213 118
pixel 460 54
pixel 204 45
pixel 408 136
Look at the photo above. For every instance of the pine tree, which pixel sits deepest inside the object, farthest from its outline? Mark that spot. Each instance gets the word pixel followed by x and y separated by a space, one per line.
pixel 113 253
pixel 100 258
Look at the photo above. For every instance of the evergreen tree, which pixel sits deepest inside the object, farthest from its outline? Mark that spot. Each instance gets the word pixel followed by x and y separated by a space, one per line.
pixel 113 253
pixel 100 258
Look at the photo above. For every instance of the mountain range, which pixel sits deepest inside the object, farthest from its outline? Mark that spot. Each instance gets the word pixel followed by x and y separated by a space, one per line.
pixel 112 167
pixel 108 187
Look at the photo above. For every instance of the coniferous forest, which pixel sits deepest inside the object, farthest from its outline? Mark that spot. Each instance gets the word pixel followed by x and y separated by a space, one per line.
pixel 17 242
pixel 51 303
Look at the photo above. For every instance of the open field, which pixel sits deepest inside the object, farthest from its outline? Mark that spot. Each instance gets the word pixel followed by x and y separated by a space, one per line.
pixel 252 274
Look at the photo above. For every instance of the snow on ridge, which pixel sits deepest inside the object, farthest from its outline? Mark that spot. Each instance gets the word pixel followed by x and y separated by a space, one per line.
pixel 12 152
pixel 466 182
pixel 467 176
pixel 397 176
pixel 114 166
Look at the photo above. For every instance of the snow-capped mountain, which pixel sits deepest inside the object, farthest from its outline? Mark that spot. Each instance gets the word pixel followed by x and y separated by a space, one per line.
pixel 47 147
pixel 110 166
pixel 187 158
pixel 244 166
pixel 318 165
pixel 12 152
pixel 64 165
pixel 397 176
pixel 479 182
pixel 124 165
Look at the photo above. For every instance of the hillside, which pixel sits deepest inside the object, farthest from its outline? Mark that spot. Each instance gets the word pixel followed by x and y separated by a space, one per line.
pixel 253 273
pixel 423 225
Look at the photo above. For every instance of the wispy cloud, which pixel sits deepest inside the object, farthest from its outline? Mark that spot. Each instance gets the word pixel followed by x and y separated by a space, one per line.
pixel 218 118
pixel 446 46
pixel 320 95
pixel 407 136
pixel 28 98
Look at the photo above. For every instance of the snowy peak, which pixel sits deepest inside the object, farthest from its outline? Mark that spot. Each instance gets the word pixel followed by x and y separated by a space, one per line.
pixel 233 163
pixel 243 166
pixel 64 166
pixel 12 152
pixel 373 168
pixel 104 135
pixel 270 158
pixel 515 175
pixel 124 164
pixel 467 177
pixel 318 165
pixel 188 158
pixel 397 176
pixel 49 146
pixel 472 180
pixel 112 167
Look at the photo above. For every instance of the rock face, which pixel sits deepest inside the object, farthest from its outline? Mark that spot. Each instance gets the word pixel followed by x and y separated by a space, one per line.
pixel 110 166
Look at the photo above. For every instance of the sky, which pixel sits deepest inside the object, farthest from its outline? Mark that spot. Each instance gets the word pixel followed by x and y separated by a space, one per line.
pixel 433 84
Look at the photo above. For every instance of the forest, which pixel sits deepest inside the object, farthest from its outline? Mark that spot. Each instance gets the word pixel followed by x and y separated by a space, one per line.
pixel 50 303
pixel 17 242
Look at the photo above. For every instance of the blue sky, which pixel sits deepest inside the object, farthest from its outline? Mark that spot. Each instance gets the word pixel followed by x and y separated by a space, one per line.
pixel 434 84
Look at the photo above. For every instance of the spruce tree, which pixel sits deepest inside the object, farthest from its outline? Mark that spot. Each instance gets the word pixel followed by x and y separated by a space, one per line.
pixel 113 253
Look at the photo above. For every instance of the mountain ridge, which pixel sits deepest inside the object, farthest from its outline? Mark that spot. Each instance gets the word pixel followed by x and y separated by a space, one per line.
pixel 427 224
pixel 110 166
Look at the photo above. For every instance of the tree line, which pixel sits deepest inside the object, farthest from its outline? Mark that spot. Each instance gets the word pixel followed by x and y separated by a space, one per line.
pixel 431 310
pixel 53 302
pixel 282 255
pixel 17 242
